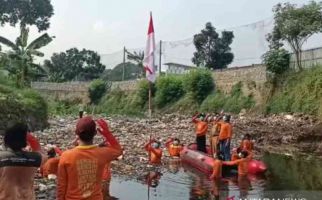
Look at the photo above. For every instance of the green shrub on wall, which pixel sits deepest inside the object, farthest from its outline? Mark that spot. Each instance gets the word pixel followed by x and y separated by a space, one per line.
pixel 143 91
pixel 277 61
pixel 199 83
pixel 97 89
pixel 168 89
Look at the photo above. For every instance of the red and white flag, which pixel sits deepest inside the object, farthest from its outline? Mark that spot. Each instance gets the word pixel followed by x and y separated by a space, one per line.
pixel 148 60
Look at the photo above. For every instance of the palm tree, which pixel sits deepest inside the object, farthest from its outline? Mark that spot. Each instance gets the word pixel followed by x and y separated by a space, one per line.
pixel 21 55
pixel 137 57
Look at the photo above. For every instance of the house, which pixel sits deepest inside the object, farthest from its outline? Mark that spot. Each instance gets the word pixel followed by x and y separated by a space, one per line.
pixel 176 68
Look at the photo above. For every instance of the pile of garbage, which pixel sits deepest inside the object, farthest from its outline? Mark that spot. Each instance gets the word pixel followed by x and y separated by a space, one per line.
pixel 279 133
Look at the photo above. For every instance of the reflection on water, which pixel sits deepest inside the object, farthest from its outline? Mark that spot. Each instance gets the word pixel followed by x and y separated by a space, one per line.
pixel 180 182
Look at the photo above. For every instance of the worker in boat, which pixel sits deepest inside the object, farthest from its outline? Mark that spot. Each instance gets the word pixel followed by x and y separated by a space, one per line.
pixel 174 147
pixel 214 133
pixel 217 167
pixel 247 144
pixel 201 129
pixel 225 135
pixel 155 151
pixel 242 162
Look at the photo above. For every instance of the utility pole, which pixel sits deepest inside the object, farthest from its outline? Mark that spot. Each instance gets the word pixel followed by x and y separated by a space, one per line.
pixel 160 57
pixel 123 76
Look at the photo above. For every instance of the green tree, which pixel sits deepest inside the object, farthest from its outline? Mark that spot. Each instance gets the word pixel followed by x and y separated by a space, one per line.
pixel 74 64
pixel 132 72
pixel 137 57
pixel 213 51
pixel 21 54
pixel 295 25
pixel 26 12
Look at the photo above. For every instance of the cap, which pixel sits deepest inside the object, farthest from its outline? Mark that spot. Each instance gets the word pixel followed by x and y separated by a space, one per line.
pixel 85 125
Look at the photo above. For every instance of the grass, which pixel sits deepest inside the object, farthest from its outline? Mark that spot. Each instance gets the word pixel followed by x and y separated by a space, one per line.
pixel 299 92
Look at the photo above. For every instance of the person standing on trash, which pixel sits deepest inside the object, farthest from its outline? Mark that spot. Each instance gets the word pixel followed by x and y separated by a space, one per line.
pixel 80 169
pixel 201 129
pixel 18 167
pixel 225 136
pixel 155 151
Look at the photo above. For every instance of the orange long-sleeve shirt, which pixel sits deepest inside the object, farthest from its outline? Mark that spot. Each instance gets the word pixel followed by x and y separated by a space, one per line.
pixel 225 131
pixel 201 127
pixel 50 167
pixel 217 169
pixel 155 154
pixel 242 164
pixel 80 171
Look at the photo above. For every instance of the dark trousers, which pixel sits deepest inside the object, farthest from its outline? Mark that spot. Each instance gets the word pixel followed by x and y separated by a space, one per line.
pixel 201 143
pixel 224 146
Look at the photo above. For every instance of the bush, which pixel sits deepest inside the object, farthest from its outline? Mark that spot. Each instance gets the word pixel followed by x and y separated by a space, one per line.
pixel 168 89
pixel 22 105
pixel 199 83
pixel 277 60
pixel 233 102
pixel 96 90
pixel 185 105
pixel 214 102
pixel 143 91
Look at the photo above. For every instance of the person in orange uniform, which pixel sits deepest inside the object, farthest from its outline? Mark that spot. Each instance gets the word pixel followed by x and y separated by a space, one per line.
pixel 242 162
pixel 247 144
pixel 225 135
pixel 215 130
pixel 201 128
pixel 155 152
pixel 80 169
pixel 50 168
pixel 17 166
pixel 174 147
pixel 217 167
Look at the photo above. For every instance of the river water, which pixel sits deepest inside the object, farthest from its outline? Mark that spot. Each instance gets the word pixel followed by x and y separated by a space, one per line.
pixel 286 179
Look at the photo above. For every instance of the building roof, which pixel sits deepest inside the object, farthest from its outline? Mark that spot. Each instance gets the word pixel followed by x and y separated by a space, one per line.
pixel 178 65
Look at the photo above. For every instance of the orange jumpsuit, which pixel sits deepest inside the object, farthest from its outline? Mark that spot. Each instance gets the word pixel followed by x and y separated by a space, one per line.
pixel 155 154
pixel 242 164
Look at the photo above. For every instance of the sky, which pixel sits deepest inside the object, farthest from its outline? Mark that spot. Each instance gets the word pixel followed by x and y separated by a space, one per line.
pixel 106 26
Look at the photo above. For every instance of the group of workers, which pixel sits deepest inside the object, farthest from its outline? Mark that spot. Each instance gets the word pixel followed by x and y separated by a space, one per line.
pixel 83 172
